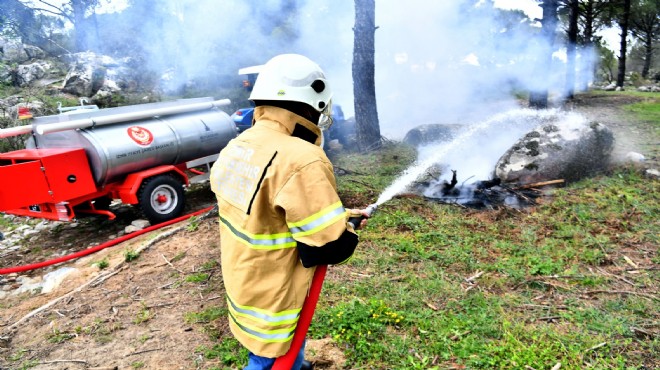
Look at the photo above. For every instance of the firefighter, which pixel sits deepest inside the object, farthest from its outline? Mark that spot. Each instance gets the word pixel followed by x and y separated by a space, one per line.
pixel 280 215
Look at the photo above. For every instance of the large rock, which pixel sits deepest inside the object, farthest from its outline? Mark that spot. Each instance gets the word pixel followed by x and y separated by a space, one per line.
pixel 14 52
pixel 5 74
pixel 27 74
pixel 92 74
pixel 568 149
pixel 429 133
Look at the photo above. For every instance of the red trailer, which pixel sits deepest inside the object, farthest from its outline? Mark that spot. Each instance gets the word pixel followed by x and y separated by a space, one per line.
pixel 78 163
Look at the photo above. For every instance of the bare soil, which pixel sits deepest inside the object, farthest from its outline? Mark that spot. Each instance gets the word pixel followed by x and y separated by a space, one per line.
pixel 138 314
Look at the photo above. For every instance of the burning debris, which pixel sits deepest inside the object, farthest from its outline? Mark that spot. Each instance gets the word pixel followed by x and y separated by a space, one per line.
pixel 485 194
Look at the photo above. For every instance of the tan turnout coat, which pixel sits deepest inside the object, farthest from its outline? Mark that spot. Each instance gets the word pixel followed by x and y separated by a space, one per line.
pixel 273 189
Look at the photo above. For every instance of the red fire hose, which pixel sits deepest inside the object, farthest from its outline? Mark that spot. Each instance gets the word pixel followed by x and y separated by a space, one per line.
pixel 307 312
pixel 97 248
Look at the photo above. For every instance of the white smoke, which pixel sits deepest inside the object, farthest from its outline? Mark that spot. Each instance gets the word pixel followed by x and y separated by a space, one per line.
pixel 436 61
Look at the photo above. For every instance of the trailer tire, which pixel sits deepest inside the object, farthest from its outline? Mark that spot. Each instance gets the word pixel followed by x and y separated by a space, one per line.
pixel 161 198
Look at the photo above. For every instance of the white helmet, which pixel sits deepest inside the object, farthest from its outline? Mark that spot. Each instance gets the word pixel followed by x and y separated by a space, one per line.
pixel 293 77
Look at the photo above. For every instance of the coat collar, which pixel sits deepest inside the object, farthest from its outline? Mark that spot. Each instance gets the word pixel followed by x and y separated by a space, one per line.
pixel 288 122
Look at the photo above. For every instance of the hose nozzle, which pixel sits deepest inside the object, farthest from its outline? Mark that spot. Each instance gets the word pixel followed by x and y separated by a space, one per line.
pixel 355 221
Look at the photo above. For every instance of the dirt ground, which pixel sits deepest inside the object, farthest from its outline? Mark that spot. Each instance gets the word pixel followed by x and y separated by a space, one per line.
pixel 138 314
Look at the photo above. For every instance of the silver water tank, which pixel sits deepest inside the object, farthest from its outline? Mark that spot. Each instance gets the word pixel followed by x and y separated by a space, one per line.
pixel 118 149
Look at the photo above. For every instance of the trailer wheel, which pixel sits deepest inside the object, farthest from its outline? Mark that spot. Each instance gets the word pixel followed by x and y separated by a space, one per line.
pixel 161 198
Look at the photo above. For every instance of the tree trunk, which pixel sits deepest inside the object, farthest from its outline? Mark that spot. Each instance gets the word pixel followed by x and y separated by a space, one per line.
pixel 79 24
pixel 588 42
pixel 623 24
pixel 364 87
pixel 574 6
pixel 648 45
pixel 539 99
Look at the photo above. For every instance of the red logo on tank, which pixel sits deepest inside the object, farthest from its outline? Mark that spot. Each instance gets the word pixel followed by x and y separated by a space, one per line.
pixel 140 135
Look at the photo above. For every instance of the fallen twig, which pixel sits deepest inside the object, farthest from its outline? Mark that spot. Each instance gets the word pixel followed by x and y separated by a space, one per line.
pixel 599 345
pixel 643 332
pixel 549 318
pixel 161 305
pixel 557 366
pixel 630 262
pixel 61 361
pixel 643 268
pixel 560 307
pixel 459 335
pixel 350 172
pixel 474 277
pixel 645 295
pixel 431 306
pixel 101 278
pixel 617 277
pixel 170 263
pixel 145 351
pixel 542 183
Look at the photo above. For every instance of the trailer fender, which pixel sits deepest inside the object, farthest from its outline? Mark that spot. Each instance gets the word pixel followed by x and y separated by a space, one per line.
pixel 128 190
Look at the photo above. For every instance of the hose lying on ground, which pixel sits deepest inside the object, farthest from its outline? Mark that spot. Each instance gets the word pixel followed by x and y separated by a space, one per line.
pixel 10 270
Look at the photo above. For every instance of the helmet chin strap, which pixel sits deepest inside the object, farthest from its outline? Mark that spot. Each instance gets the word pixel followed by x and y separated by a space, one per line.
pixel 325 120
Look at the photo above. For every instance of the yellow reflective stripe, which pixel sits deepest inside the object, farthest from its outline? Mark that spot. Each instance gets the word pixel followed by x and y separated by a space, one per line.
pixel 264 316
pixel 259 241
pixel 318 221
pixel 266 336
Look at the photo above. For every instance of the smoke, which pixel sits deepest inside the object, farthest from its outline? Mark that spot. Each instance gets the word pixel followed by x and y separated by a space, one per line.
pixel 436 61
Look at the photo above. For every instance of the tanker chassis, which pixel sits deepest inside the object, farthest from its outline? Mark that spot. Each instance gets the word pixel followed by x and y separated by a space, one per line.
pixel 78 163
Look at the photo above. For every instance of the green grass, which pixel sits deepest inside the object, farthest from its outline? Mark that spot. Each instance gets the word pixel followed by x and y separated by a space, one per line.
pixel 554 283
pixel 648 111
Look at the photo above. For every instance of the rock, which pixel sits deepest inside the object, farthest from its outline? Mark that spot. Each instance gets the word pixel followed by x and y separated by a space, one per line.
pixel 652 173
pixel 6 74
pixel 131 229
pixel 14 52
pixel 610 87
pixel 28 73
pixel 53 279
pixel 141 224
pixel 34 52
pixel 569 149
pixel 426 134
pixel 98 76
pixel 634 157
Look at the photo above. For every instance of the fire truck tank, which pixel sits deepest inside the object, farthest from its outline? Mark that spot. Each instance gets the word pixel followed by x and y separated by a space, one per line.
pixel 115 150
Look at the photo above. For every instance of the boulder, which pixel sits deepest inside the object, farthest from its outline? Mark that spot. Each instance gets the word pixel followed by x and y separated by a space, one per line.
pixel 14 52
pixel 6 77
pixel 429 133
pixel 568 149
pixel 92 74
pixel 27 74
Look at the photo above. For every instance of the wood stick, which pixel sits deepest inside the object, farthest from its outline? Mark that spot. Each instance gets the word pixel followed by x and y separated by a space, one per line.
pixel 542 183
pixel 645 295
pixel 145 351
pixel 599 345
pixel 170 263
pixel 61 361
pixel 474 277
